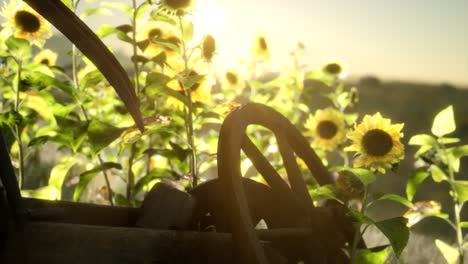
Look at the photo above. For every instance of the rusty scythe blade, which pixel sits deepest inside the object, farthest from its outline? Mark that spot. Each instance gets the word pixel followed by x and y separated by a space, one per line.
pixel 91 46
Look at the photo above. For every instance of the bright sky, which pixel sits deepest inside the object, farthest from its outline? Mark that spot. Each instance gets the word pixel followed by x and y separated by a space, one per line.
pixel 415 40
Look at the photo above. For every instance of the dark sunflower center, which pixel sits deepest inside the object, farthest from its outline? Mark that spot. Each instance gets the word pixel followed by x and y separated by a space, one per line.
pixel 155 32
pixel 263 44
pixel 326 129
pixel 178 4
pixel 27 21
pixel 377 142
pixel 333 68
pixel 45 61
pixel 231 78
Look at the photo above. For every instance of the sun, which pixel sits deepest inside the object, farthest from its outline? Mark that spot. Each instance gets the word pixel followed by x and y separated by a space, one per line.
pixel 208 17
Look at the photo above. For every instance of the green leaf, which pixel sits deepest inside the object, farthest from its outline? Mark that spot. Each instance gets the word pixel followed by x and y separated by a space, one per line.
pixel 47 192
pixel 423 149
pixel 191 80
pixel 422 140
pixel 361 218
pixel 39 141
pixel 40 102
pixel 87 176
pixel 141 9
pixel 351 118
pixel 11 118
pixel 68 3
pixel 450 253
pixel 19 48
pixel 464 224
pixel 154 80
pixel 101 134
pixel 444 122
pixel 106 30
pixel 8 135
pixel 325 192
pixel 364 175
pixel 461 189
pixel 58 173
pixel 397 198
pixel 127 9
pixel 41 79
pixel 371 256
pixel 437 174
pixel 459 151
pixel 449 140
pixel 160 59
pixel 95 11
pixel 415 179
pixel 166 43
pixel 396 231
pixel 180 153
pixel 74 130
pixel 91 79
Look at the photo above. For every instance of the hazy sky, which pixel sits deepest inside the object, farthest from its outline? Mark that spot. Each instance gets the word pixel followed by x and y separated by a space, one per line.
pixel 421 40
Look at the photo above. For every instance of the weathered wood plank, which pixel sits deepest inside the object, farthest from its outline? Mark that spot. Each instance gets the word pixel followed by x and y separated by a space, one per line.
pixel 70 243
pixel 80 213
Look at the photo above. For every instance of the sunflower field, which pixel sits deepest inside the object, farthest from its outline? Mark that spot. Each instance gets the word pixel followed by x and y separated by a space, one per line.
pixel 71 136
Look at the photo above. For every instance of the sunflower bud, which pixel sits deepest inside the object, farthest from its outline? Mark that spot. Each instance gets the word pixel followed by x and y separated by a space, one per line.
pixel 349 186
pixel 333 68
pixel 208 47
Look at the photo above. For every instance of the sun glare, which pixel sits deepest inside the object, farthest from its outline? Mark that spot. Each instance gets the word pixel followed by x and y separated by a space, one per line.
pixel 208 17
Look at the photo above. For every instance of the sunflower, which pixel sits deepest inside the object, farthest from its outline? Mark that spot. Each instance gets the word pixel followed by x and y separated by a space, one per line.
pixel 208 47
pixel 200 89
pixel 176 7
pixel 232 80
pixel 26 23
pixel 260 49
pixel 152 30
pixel 46 56
pixel 377 143
pixel 327 126
pixel 334 68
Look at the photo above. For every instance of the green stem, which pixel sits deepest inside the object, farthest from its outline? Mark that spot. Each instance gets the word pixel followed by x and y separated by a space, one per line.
pixel 357 233
pixel 189 113
pixel 18 130
pixel 76 82
pixel 131 176
pixel 345 157
pixel 134 47
pixel 456 206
